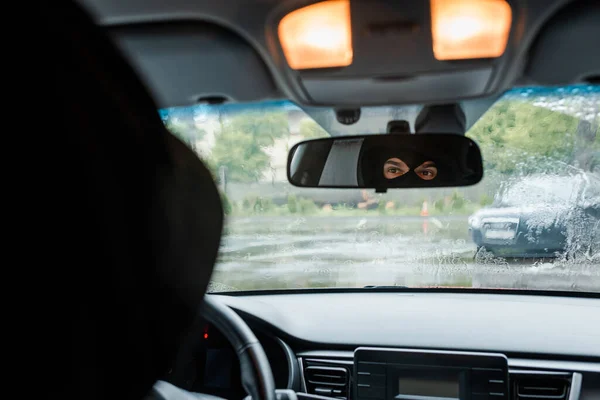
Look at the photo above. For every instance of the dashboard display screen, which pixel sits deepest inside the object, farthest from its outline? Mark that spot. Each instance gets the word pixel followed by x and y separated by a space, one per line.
pixel 438 386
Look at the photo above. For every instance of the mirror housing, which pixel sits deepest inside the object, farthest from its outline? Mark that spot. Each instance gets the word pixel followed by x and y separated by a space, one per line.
pixel 383 162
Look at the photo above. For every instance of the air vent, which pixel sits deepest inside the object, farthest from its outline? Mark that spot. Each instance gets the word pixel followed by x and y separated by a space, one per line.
pixel 542 387
pixel 326 378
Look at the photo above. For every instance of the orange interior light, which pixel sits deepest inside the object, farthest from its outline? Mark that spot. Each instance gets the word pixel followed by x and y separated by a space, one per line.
pixel 466 29
pixel 318 36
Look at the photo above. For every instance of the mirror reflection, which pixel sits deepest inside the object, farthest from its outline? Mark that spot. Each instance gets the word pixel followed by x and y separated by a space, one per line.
pixel 396 167
pixel 386 161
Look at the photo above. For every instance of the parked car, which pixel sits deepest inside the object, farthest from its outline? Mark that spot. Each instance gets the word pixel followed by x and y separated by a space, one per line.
pixel 541 216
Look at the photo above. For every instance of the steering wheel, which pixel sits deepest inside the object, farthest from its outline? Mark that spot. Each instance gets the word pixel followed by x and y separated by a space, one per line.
pixel 257 377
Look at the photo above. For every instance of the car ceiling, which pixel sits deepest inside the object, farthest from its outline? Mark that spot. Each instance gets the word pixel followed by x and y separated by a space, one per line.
pixel 192 51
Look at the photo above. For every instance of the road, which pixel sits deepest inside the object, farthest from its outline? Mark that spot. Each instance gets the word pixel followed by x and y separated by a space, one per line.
pixel 354 251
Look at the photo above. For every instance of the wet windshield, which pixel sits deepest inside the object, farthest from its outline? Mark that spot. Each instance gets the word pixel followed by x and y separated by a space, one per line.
pixel 532 190
pixel 531 223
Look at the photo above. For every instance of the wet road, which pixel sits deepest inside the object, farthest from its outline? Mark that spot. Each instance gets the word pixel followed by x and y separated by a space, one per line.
pixel 336 251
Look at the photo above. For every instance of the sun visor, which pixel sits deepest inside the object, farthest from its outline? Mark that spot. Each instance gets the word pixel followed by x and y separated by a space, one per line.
pixel 418 89
pixel 184 62
pixel 566 50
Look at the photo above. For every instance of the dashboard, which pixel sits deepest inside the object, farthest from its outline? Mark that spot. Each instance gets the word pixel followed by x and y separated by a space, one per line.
pixel 411 346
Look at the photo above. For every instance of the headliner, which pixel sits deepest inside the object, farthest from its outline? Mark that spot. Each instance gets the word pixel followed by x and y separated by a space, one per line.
pixel 169 43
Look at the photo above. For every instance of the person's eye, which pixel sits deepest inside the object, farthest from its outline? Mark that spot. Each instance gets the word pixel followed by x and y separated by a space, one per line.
pixel 427 173
pixel 393 170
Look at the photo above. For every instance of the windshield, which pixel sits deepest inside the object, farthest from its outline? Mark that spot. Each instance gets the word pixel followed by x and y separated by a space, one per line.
pixel 532 190
pixel 540 147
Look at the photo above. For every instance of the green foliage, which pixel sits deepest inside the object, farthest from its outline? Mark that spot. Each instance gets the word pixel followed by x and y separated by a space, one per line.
pixel 263 127
pixel 227 206
pixel 292 204
pixel 343 207
pixel 307 206
pixel 240 145
pixel 485 200
pixel 238 152
pixel 248 202
pixel 187 132
pixel 381 207
pixel 458 201
pixel 263 205
pixel 439 205
pixel 311 130
pixel 257 205
pixel 516 136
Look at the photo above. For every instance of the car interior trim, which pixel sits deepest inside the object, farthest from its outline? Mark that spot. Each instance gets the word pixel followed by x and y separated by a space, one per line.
pixel 302 380
pixel 294 371
pixel 575 390
pixel 515 364
pixel 575 378
pixel 400 289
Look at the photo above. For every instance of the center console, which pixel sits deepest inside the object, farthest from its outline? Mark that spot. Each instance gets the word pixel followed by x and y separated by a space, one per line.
pixel 404 374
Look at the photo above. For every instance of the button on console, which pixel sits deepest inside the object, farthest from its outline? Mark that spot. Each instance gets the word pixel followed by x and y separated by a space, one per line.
pixel 375 392
pixel 371 368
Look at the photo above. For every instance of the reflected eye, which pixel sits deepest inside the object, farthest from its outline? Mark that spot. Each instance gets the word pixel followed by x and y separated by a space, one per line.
pixel 427 171
pixel 394 167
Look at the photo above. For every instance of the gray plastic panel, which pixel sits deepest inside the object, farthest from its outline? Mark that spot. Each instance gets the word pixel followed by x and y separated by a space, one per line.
pixel 190 61
pixel 567 49
pixel 502 323
pixel 421 89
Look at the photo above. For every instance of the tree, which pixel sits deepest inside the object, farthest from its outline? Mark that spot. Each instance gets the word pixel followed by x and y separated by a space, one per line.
pixel 263 127
pixel 240 146
pixel 185 131
pixel 516 136
pixel 243 157
pixel 309 129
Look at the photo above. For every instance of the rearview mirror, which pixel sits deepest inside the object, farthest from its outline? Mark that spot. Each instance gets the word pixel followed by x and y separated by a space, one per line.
pixel 386 161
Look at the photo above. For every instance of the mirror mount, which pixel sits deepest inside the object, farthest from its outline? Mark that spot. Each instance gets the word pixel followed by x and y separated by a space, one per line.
pixel 347 116
pixel 447 118
pixel 401 127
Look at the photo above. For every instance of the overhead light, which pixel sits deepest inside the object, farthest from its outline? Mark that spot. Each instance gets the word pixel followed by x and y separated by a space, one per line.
pixel 318 36
pixel 467 29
